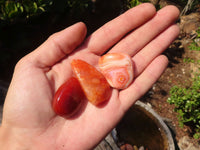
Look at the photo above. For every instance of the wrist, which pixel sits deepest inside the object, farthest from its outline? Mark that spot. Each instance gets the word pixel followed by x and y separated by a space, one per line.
pixel 11 140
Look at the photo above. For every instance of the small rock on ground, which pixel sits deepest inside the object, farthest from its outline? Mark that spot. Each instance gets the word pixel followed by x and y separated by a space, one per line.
pixel 185 143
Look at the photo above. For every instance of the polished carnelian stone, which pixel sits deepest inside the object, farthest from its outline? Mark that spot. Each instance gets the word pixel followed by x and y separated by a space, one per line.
pixel 94 84
pixel 68 98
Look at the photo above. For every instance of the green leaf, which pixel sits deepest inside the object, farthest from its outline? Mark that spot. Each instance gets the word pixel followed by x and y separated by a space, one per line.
pixel 187 103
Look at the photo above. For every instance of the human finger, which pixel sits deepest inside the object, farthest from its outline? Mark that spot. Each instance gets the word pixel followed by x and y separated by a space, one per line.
pixel 110 33
pixel 154 48
pixel 143 82
pixel 59 45
pixel 136 40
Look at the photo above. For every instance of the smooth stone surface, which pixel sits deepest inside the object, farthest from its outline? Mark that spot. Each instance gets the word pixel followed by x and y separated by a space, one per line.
pixel 94 84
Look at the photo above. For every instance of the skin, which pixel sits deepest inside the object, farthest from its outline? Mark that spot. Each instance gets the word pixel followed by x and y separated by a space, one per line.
pixel 29 121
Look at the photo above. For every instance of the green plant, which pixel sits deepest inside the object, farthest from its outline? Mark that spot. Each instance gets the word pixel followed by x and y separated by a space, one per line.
pixel 11 10
pixel 198 32
pixel 188 60
pixel 133 3
pixel 78 4
pixel 194 47
pixel 187 104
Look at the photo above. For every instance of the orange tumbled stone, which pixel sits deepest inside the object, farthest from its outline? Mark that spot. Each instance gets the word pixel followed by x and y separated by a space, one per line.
pixel 118 69
pixel 94 84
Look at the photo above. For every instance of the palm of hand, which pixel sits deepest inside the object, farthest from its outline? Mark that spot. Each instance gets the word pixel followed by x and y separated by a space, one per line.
pixel 42 72
pixel 36 107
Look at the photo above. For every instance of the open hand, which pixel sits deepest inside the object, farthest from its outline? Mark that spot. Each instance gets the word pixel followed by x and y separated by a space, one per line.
pixel 29 121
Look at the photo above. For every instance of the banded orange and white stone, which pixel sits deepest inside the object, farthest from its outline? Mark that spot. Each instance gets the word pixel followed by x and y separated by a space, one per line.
pixel 117 68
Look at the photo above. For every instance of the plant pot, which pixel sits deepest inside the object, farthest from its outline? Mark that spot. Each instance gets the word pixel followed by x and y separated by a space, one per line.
pixel 143 127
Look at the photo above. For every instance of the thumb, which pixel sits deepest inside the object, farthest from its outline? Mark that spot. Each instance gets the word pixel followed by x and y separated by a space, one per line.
pixel 58 45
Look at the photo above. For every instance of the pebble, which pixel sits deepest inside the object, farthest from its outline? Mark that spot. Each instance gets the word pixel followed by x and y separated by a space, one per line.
pixel 197 41
pixel 141 148
pixel 183 70
pixel 185 143
pixel 127 147
pixel 130 147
